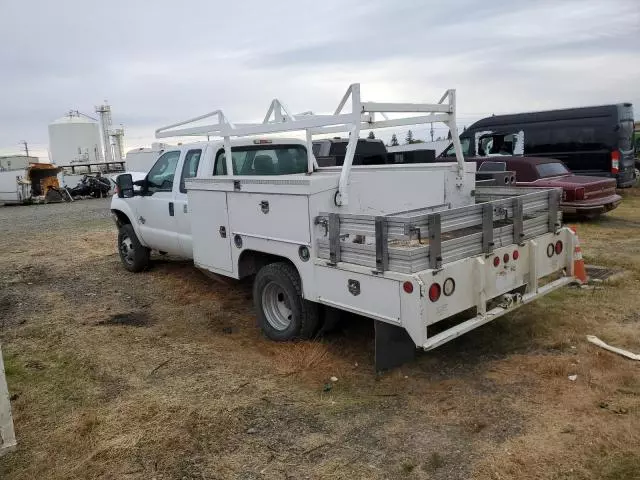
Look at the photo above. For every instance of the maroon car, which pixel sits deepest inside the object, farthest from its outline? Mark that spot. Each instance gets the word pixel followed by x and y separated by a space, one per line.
pixel 581 195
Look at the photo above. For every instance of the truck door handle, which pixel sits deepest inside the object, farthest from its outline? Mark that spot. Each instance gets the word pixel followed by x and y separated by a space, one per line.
pixel 171 209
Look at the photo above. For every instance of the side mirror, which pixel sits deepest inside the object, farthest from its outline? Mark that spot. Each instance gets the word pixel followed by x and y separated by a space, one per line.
pixel 124 183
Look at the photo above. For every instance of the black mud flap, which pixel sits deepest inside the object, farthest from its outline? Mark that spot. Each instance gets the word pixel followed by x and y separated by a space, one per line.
pixel 394 346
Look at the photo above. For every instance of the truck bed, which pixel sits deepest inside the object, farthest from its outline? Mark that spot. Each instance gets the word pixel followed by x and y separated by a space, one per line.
pixel 412 241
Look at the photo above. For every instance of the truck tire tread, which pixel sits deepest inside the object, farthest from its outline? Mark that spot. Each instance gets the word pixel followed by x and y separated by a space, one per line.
pixel 306 319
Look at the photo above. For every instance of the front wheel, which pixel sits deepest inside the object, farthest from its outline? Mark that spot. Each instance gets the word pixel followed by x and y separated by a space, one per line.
pixel 134 256
pixel 282 312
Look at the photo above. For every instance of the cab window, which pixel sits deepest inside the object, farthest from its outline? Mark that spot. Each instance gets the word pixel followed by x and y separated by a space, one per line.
pixel 190 167
pixel 271 160
pixel 160 177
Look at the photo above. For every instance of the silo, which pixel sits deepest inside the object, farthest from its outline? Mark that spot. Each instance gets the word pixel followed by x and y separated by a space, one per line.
pixel 74 138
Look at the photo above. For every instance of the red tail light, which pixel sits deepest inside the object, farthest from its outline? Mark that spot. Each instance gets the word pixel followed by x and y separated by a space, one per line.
pixel 578 193
pixel 434 292
pixel 116 190
pixel 505 258
pixel 407 287
pixel 516 255
pixel 615 162
pixel 496 261
pixel 558 247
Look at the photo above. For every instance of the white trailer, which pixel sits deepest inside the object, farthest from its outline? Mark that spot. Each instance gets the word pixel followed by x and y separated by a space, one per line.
pixel 7 434
pixel 406 245
pixel 142 159
pixel 15 187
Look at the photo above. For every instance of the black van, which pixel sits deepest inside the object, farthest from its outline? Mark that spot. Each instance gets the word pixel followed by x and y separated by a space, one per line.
pixel 589 140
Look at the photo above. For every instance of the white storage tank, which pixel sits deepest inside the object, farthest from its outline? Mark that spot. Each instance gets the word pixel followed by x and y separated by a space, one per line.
pixel 74 138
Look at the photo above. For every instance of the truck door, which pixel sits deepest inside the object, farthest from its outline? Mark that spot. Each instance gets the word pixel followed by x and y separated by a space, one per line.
pixel 156 209
pixel 182 212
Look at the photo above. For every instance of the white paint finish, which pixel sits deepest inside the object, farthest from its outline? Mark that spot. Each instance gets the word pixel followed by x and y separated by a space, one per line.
pixel 477 280
pixel 412 311
pixel 210 250
pixel 287 251
pixel 74 138
pixel 7 433
pixel 11 190
pixel 362 115
pixel 158 230
pixel 379 297
pixel 286 218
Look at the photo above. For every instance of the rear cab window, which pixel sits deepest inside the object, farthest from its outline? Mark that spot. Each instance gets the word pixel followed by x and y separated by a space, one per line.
pixel 264 160
pixel 190 167
pixel 551 169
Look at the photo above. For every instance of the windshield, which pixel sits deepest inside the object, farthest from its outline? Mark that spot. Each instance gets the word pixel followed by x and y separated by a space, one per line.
pixel 551 169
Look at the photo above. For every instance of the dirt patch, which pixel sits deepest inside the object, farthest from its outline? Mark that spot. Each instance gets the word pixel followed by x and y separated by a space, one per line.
pixel 131 319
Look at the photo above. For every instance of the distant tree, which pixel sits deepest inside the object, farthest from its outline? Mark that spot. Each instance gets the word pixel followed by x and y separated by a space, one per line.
pixel 449 135
pixel 394 140
pixel 439 138
pixel 464 128
pixel 371 135
pixel 409 137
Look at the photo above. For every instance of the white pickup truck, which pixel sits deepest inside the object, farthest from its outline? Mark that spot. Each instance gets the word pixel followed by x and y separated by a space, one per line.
pixel 406 245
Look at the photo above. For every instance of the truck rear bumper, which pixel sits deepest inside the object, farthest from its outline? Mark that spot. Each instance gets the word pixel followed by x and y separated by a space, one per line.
pixel 509 305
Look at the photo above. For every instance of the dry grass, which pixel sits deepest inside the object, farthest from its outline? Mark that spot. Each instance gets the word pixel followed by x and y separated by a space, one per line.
pixel 165 375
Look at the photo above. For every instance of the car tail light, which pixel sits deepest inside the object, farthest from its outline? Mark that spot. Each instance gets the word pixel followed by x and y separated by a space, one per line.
pixel 615 162
pixel 550 250
pixel 515 254
pixel 116 191
pixel 407 287
pixel 449 286
pixel 505 258
pixel 434 292
pixel 496 261
pixel 558 247
pixel 578 193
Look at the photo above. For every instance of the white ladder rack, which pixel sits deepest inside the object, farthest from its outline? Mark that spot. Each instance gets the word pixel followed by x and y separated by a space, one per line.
pixel 279 119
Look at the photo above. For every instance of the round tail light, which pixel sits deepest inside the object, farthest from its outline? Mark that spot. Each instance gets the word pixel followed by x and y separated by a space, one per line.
pixel 434 292
pixel 496 261
pixel 559 247
pixel 448 287
pixel 505 258
pixel 515 254
pixel 550 250
pixel 407 287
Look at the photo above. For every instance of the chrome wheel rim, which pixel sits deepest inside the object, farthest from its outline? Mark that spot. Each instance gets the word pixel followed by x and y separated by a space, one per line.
pixel 276 306
pixel 126 250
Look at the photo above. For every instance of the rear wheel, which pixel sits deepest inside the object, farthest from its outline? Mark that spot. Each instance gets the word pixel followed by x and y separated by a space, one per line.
pixel 134 256
pixel 282 312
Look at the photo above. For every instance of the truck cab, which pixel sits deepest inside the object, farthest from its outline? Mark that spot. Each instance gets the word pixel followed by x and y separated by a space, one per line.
pixel 158 211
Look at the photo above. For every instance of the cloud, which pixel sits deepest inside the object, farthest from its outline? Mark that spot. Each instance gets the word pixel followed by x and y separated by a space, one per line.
pixel 157 63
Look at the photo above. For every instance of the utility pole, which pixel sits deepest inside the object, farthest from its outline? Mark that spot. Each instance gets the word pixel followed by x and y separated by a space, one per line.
pixel 26 147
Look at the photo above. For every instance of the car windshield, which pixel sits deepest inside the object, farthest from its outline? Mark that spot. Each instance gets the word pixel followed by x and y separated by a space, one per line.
pixel 551 169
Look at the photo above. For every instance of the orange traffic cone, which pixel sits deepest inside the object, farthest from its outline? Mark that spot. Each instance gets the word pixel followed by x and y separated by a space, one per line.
pixel 579 270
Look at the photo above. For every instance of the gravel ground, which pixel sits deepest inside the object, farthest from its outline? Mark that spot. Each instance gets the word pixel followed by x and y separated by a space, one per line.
pixel 29 219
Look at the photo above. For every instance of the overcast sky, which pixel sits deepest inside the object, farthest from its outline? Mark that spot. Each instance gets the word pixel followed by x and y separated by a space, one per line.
pixel 162 61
